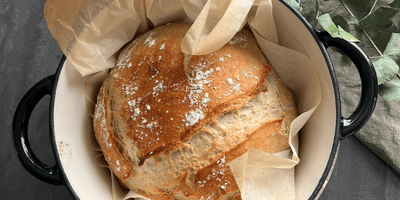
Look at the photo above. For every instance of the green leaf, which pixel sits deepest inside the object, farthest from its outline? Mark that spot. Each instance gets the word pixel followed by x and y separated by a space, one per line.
pixel 326 22
pixel 340 21
pixel 395 4
pixel 312 15
pixel 295 4
pixel 386 69
pixel 353 20
pixel 380 19
pixel 347 36
pixel 393 47
pixel 390 90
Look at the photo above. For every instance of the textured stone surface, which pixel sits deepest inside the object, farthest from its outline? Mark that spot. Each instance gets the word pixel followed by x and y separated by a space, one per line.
pixel 28 53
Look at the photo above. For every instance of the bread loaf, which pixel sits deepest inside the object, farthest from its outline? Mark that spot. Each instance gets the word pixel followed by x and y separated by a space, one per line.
pixel 169 123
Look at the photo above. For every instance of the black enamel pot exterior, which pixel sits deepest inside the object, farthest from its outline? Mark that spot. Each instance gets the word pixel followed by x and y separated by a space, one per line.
pixel 344 126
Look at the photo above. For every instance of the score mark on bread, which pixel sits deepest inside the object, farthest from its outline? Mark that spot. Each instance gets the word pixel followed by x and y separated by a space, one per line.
pixel 169 123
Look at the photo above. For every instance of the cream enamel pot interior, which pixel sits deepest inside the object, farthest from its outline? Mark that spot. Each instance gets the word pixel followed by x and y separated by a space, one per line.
pixel 76 166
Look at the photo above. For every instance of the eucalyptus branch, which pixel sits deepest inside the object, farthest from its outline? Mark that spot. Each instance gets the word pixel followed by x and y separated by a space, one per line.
pixel 348 10
pixel 376 48
pixel 373 6
pixel 366 34
pixel 372 42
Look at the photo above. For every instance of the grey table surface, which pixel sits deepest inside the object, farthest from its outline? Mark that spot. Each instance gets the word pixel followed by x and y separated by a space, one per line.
pixel 28 53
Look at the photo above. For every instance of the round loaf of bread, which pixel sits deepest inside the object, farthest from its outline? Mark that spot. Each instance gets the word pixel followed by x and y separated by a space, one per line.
pixel 168 123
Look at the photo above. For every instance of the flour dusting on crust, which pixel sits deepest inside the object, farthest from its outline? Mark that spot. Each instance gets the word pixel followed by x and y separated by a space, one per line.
pixel 172 122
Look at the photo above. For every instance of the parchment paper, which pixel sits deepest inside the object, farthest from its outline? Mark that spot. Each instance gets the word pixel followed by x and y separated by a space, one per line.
pixel 92 32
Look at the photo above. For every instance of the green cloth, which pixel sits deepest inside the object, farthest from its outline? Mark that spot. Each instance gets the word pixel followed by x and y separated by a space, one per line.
pixel 381 134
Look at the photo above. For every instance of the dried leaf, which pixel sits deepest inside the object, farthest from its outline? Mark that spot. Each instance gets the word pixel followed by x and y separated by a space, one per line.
pixel 386 69
pixel 340 21
pixel 347 36
pixel 353 20
pixel 393 47
pixel 390 90
pixel 380 19
pixel 295 4
pixel 395 4
pixel 311 15
pixel 326 22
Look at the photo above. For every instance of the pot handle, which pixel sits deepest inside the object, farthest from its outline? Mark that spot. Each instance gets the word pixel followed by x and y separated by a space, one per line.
pixel 369 82
pixel 20 133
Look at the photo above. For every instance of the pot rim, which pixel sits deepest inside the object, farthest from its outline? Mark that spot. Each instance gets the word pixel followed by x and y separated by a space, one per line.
pixel 337 137
pixel 335 145
pixel 57 154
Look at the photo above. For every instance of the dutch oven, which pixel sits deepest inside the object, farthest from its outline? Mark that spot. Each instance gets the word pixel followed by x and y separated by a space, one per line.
pixel 76 167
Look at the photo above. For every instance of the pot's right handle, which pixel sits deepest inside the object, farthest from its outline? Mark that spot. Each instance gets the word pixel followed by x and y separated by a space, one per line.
pixel 20 133
pixel 369 82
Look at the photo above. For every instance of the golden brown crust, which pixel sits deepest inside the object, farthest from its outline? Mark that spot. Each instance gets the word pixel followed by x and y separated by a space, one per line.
pixel 168 123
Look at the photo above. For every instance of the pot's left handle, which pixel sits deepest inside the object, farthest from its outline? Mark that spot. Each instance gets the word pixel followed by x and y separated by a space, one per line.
pixel 20 133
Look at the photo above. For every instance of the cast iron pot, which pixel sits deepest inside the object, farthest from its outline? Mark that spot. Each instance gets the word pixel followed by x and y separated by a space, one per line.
pixel 319 138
